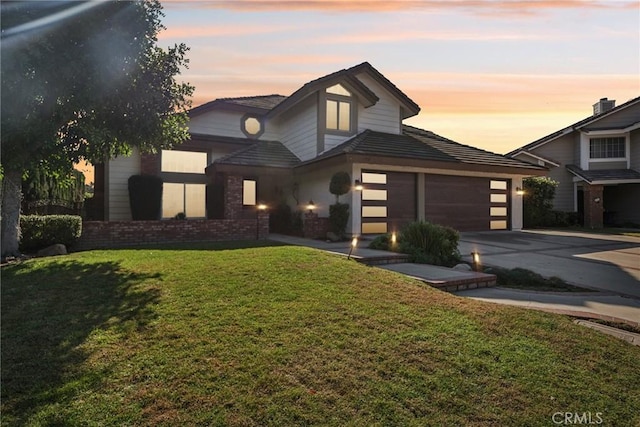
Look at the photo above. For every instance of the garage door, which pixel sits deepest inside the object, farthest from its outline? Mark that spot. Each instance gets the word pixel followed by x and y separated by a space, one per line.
pixel 467 203
pixel 388 201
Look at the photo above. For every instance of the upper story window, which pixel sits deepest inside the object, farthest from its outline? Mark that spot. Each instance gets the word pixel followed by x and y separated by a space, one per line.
pixel 607 148
pixel 183 161
pixel 252 126
pixel 339 104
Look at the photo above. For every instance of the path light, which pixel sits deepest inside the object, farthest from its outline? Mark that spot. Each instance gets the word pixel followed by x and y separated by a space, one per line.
pixel 311 206
pixel 475 260
pixel 358 185
pixel 394 238
pixel 354 243
pixel 519 191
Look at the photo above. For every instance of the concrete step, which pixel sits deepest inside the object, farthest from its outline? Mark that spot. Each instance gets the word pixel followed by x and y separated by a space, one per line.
pixel 383 259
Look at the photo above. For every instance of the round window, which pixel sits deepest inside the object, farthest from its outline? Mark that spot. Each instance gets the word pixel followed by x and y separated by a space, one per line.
pixel 252 126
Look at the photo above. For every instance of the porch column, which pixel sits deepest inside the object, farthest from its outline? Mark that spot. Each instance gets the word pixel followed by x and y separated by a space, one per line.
pixel 593 206
pixel 232 197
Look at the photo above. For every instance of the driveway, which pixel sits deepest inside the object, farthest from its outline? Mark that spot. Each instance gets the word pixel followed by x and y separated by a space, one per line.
pixel 600 261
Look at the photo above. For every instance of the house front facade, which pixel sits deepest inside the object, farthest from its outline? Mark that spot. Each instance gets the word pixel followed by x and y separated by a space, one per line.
pixel 596 162
pixel 283 150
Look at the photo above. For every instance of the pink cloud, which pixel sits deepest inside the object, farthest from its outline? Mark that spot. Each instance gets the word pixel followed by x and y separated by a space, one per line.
pixel 481 6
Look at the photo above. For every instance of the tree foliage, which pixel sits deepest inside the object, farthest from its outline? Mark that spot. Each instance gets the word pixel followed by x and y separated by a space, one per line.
pixel 340 184
pixel 84 80
pixel 539 192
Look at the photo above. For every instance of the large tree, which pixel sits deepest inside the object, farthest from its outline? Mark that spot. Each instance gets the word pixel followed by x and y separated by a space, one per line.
pixel 83 81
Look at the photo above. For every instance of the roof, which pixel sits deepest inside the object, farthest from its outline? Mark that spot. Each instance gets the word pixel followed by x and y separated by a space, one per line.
pixel 605 176
pixel 584 122
pixel 263 153
pixel 274 105
pixel 250 104
pixel 465 153
pixel 420 144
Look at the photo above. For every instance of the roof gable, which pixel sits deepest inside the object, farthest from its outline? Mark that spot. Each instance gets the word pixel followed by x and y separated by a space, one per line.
pixel 588 121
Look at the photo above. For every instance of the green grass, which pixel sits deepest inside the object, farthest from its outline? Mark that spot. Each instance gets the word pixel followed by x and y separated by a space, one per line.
pixel 287 336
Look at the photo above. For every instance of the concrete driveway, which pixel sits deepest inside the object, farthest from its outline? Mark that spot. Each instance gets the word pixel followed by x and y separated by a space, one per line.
pixel 600 261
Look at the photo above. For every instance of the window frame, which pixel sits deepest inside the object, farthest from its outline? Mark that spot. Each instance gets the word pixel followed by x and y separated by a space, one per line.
pixel 622 139
pixel 344 102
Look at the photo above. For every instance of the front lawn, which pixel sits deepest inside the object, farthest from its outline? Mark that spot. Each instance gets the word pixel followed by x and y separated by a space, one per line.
pixel 287 336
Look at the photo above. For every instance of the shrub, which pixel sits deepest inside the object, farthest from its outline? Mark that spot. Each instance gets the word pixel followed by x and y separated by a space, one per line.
pixel 380 242
pixel 340 184
pixel 145 197
pixel 41 231
pixel 280 219
pixel 429 243
pixel 538 201
pixel 339 218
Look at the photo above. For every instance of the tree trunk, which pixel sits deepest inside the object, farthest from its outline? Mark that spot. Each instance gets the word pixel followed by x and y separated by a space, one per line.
pixel 11 197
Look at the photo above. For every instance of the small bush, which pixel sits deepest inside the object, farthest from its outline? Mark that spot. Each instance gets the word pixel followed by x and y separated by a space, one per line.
pixel 429 243
pixel 521 278
pixel 41 231
pixel 339 218
pixel 280 219
pixel 380 242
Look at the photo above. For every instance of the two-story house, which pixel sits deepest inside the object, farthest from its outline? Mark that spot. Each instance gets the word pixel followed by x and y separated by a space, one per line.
pixel 596 162
pixel 284 149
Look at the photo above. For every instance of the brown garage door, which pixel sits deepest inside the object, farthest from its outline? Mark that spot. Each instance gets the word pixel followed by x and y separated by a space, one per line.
pixel 466 203
pixel 388 201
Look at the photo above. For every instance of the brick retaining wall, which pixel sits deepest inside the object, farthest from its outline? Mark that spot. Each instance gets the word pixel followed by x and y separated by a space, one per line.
pixel 118 234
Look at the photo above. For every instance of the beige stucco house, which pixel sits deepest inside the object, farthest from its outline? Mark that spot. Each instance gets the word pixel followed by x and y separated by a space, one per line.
pixel 278 149
pixel 596 162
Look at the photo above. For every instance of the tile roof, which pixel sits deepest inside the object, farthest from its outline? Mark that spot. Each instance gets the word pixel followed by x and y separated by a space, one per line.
pixel 420 144
pixel 464 153
pixel 262 153
pixel 251 104
pixel 572 127
pixel 592 176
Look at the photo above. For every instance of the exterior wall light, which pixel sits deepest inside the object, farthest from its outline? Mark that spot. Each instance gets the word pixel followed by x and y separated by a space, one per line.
pixel 358 185
pixel 597 200
pixel 519 191
pixel 354 243
pixel 475 261
pixel 311 206
pixel 262 207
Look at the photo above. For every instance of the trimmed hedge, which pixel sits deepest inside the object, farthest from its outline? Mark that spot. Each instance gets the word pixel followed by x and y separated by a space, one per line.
pixel 40 231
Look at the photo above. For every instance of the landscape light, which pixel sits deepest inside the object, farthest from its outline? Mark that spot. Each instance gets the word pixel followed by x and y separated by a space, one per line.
pixel 475 260
pixel 394 238
pixel 354 243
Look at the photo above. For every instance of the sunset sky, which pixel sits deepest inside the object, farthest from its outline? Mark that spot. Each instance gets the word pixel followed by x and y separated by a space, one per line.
pixel 492 74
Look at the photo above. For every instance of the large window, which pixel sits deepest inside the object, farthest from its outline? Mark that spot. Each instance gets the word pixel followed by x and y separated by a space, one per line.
pixel 187 199
pixel 249 192
pixel 338 108
pixel 183 161
pixel 607 148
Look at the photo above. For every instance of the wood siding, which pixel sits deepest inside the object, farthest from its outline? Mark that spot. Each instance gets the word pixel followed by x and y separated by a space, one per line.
pixel 607 165
pixel 384 116
pixel 299 129
pixel 118 172
pixel 227 123
pixel 562 150
pixel 458 201
pixel 620 119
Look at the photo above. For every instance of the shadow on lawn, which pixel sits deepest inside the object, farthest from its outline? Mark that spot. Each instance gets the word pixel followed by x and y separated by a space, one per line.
pixel 48 311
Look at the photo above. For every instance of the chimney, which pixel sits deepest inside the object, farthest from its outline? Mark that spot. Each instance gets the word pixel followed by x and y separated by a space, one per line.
pixel 603 106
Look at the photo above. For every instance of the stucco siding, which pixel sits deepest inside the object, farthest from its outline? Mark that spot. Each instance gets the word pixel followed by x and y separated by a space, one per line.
pixel 562 150
pixel 118 172
pixel 620 119
pixel 634 150
pixel 384 116
pixel 299 129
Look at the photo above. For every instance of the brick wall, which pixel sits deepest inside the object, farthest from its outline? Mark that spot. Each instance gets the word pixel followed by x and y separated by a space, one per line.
pixel 315 227
pixel 233 197
pixel 149 164
pixel 117 234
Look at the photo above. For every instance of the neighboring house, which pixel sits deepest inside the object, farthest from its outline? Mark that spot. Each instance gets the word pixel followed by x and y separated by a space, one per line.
pixel 596 162
pixel 284 149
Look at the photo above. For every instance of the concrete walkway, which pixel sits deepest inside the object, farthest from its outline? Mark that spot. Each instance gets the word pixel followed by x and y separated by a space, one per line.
pixel 494 246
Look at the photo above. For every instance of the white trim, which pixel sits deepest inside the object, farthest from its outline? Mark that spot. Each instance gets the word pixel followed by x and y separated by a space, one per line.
pixel 540 158
pixel 613 131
